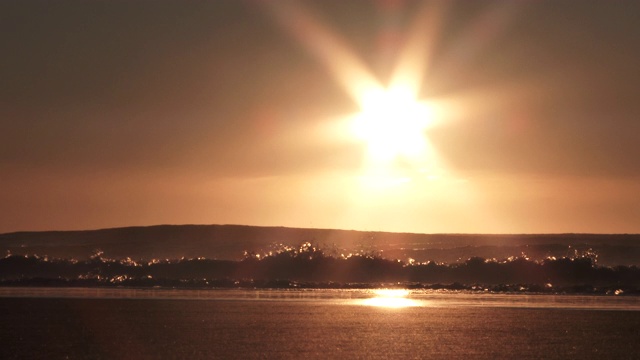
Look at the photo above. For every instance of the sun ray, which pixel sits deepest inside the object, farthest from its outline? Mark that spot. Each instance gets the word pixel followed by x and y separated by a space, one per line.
pixel 478 36
pixel 347 69
pixel 415 55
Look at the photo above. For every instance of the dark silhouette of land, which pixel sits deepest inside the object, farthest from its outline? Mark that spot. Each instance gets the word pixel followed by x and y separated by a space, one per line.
pixel 210 256
pixel 228 242
pixel 310 266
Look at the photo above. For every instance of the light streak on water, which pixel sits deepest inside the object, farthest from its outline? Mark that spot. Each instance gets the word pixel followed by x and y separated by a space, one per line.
pixel 399 298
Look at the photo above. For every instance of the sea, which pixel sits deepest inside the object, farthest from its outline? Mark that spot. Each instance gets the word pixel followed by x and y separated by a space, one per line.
pixel 132 323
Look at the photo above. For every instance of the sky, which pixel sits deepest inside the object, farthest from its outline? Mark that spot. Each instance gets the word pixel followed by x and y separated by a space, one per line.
pixel 385 115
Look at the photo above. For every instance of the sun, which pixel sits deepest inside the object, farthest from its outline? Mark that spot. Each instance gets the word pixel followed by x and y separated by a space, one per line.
pixel 392 123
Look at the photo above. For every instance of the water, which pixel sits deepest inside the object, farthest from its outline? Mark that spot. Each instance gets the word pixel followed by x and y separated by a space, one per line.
pixel 156 323
pixel 354 297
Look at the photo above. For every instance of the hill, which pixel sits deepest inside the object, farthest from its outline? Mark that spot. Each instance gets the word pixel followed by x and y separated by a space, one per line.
pixel 229 242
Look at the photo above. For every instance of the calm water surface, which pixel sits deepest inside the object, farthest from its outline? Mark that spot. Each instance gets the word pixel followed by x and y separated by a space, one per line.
pixel 136 323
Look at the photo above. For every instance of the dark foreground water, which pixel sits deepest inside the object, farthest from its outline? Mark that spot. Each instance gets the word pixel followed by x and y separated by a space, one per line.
pixel 141 324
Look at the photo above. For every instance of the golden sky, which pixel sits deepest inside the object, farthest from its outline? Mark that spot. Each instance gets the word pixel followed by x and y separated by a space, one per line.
pixel 411 116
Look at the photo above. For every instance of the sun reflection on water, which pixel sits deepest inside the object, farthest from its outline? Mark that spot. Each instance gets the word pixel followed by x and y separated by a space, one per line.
pixel 390 298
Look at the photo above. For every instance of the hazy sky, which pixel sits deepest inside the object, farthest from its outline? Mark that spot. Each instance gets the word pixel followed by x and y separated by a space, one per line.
pixel 118 113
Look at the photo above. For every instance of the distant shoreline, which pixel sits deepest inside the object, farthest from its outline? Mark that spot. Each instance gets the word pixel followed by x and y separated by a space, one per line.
pixel 515 289
pixel 230 242
pixel 200 257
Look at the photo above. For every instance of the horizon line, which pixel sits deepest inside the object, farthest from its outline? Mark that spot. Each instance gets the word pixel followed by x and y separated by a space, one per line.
pixel 311 228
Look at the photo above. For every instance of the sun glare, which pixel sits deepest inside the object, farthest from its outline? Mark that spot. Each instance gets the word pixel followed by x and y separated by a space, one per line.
pixel 390 298
pixel 392 123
